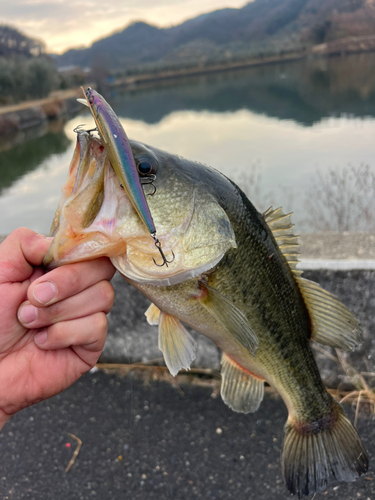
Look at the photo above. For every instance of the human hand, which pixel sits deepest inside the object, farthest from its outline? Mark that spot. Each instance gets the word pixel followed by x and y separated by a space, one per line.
pixel 53 326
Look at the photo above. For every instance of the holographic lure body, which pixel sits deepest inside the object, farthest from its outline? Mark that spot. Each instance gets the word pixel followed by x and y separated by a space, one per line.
pixel 120 155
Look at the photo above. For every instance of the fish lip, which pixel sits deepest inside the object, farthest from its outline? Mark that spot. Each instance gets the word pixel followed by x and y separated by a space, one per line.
pixel 83 246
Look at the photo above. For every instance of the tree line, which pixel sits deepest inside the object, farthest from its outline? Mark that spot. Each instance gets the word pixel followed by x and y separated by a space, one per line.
pixel 26 72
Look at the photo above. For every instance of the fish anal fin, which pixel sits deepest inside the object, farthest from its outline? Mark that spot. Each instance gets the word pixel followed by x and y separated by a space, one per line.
pixel 229 316
pixel 240 390
pixel 332 322
pixel 152 315
pixel 175 342
pixel 316 454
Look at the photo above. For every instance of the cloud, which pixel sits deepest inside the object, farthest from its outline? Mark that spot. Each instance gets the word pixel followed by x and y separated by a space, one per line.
pixel 63 24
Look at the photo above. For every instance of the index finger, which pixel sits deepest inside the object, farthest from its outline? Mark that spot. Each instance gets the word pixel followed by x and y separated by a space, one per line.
pixel 19 253
pixel 66 281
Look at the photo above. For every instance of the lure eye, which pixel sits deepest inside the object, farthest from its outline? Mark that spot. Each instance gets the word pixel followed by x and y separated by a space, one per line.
pixel 89 96
pixel 146 166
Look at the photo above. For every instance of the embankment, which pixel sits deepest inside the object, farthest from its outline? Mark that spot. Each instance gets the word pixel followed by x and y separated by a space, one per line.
pixel 29 113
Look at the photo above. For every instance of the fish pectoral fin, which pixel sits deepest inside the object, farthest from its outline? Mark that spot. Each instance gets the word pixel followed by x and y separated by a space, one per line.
pixel 175 342
pixel 230 317
pixel 240 390
pixel 332 322
pixel 153 315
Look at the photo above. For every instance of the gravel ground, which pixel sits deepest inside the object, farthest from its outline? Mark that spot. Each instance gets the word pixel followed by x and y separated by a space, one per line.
pixel 152 439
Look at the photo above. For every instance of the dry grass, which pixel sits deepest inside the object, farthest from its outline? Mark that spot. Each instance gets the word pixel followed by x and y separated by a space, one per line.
pixel 362 397
pixel 342 200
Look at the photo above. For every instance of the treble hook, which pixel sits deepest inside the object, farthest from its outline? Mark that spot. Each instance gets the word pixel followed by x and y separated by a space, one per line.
pixel 158 246
pixel 149 181
pixel 79 129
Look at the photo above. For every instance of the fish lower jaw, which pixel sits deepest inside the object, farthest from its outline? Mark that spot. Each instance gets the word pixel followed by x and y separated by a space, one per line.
pixel 166 277
pixel 65 250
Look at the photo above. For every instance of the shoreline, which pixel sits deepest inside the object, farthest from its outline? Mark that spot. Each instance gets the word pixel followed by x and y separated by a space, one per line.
pixel 26 114
pixel 16 117
pixel 336 48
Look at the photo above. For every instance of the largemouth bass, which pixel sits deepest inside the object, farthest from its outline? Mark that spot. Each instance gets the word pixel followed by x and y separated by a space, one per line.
pixel 233 279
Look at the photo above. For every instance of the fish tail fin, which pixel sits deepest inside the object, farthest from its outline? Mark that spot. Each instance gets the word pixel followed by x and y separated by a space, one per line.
pixel 318 453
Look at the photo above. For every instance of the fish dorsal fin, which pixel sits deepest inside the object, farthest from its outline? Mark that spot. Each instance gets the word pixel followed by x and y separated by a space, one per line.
pixel 175 342
pixel 230 317
pixel 332 322
pixel 152 315
pixel 282 230
pixel 240 390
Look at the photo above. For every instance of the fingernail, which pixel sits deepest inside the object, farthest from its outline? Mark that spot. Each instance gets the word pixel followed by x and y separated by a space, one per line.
pixel 28 314
pixel 45 292
pixel 41 337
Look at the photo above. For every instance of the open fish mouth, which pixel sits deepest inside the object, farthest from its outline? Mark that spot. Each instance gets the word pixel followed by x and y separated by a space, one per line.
pixel 84 226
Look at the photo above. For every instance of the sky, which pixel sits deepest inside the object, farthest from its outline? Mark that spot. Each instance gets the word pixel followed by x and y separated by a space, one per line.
pixel 64 24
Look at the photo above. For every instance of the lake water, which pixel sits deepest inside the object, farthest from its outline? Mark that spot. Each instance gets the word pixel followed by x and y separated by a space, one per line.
pixel 270 129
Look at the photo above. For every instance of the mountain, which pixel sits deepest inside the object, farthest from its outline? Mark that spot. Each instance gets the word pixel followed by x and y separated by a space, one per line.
pixel 258 27
pixel 14 43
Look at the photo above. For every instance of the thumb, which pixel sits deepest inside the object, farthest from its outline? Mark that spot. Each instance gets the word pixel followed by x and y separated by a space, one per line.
pixel 20 252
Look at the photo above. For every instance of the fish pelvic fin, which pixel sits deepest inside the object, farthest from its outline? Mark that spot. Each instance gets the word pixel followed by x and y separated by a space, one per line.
pixel 332 322
pixel 230 317
pixel 318 453
pixel 152 315
pixel 240 389
pixel 175 342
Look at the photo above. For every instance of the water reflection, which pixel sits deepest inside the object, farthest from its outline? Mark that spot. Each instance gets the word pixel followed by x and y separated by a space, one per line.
pixel 290 120
pixel 26 150
pixel 302 91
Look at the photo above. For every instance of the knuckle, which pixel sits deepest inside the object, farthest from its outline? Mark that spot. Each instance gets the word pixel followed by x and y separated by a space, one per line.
pixel 74 276
pixel 21 232
pixel 55 336
pixel 101 323
pixel 107 294
pixel 54 313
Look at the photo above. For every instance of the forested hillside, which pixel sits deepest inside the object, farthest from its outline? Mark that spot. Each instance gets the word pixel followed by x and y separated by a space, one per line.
pixel 26 72
pixel 259 28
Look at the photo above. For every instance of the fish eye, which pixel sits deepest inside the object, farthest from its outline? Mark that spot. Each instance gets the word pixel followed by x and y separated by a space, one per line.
pixel 146 166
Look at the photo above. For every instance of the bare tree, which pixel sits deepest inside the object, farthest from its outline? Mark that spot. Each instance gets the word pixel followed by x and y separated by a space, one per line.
pixel 342 200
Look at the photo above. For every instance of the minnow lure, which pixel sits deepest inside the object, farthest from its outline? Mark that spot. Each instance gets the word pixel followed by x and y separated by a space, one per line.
pixel 120 155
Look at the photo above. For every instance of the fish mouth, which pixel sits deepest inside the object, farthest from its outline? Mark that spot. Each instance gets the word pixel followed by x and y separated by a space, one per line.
pixel 85 221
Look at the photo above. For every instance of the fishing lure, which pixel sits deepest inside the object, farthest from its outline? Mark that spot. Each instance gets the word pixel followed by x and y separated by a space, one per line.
pixel 120 155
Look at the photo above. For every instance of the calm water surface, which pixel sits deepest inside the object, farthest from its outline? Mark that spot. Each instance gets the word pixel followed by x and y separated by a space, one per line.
pixel 269 128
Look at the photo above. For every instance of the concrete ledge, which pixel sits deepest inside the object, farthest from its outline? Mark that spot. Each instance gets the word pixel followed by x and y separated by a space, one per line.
pixel 336 264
